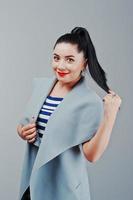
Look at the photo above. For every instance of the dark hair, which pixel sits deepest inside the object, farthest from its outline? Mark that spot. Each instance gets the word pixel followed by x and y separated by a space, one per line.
pixel 81 37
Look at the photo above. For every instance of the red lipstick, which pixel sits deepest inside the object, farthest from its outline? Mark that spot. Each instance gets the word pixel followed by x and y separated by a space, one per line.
pixel 62 74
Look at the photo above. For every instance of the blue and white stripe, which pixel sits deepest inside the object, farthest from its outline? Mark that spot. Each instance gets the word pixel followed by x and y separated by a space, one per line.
pixel 47 109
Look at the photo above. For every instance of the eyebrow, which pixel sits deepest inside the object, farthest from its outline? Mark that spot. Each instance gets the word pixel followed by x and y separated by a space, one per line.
pixel 65 56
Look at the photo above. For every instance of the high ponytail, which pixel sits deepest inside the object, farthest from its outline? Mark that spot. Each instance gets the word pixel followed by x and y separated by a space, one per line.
pixel 81 37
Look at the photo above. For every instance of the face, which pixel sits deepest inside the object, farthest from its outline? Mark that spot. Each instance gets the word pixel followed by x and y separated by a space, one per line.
pixel 67 63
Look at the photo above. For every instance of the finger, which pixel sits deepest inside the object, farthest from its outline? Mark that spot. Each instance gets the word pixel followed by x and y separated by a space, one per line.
pixel 19 128
pixel 111 92
pixel 33 135
pixel 108 97
pixel 32 120
pixel 31 141
pixel 118 96
pixel 112 95
pixel 28 126
pixel 29 132
pixel 24 134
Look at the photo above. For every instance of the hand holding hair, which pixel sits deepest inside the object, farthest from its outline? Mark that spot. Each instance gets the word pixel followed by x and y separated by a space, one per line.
pixel 112 102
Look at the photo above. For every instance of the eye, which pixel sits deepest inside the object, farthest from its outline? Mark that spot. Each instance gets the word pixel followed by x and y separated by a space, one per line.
pixel 56 58
pixel 70 60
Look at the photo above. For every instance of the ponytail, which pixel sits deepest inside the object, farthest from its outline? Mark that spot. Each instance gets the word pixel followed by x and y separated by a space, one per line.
pixel 96 71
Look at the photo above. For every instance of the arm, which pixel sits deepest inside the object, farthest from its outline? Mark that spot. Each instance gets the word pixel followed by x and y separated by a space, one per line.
pixel 94 148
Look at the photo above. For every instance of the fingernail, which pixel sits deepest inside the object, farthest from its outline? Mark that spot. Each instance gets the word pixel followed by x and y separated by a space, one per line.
pixel 33 119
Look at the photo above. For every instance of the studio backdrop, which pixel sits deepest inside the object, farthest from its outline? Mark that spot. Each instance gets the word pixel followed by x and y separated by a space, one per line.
pixel 28 31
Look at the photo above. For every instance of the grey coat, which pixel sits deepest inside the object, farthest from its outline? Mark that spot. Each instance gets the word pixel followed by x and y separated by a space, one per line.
pixel 56 168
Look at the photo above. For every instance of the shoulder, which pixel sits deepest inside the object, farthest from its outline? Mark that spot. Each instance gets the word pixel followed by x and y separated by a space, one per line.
pixel 93 98
pixel 94 103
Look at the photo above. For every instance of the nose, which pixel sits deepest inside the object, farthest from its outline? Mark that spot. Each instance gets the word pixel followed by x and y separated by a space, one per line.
pixel 61 65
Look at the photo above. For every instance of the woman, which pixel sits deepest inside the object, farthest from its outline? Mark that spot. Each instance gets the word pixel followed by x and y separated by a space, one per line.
pixel 82 125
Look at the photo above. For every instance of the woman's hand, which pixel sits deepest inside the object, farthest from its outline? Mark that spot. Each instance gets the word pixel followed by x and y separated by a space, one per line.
pixel 112 104
pixel 27 132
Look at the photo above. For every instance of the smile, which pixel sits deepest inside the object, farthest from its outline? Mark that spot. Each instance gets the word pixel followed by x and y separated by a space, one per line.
pixel 62 73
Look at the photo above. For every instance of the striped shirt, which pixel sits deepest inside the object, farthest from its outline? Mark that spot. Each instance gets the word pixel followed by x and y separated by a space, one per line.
pixel 49 105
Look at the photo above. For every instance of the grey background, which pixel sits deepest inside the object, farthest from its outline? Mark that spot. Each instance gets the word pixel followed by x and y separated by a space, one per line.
pixel 28 31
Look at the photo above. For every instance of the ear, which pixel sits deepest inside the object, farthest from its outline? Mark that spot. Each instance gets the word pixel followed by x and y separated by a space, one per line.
pixel 85 62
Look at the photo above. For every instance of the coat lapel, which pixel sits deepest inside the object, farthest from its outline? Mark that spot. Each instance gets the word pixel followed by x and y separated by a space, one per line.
pixel 42 87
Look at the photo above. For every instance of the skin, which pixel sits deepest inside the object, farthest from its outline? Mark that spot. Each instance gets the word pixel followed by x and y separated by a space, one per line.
pixel 61 61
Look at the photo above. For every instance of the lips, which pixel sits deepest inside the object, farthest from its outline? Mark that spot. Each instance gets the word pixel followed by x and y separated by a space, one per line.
pixel 62 73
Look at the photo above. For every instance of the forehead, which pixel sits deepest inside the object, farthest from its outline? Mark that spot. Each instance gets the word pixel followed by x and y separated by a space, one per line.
pixel 66 49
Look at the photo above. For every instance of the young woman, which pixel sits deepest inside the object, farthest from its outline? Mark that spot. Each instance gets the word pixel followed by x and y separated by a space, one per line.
pixel 62 137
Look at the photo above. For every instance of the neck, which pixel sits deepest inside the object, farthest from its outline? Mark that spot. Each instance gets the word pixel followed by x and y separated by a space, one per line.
pixel 67 86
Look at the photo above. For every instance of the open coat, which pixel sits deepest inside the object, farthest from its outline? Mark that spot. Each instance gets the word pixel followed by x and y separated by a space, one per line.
pixel 56 167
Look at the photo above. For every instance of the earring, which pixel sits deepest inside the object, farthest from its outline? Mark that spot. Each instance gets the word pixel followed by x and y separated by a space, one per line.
pixel 82 73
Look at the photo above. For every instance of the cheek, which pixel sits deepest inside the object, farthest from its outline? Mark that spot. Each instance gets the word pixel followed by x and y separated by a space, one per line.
pixel 54 64
pixel 76 67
